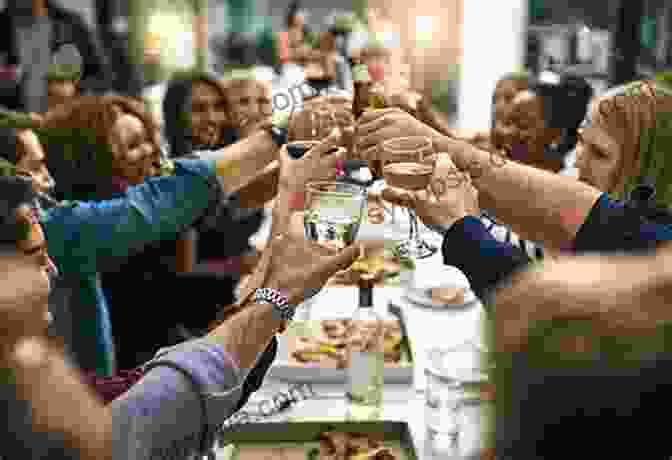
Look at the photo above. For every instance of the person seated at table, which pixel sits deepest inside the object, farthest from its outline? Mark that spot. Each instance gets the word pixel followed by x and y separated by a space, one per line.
pixel 621 153
pixel 541 126
pixel 505 91
pixel 194 112
pixel 248 100
pixel 129 133
pixel 582 355
pixel 187 391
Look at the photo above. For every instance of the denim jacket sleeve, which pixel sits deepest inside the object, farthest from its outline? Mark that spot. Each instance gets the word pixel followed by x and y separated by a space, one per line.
pixel 81 234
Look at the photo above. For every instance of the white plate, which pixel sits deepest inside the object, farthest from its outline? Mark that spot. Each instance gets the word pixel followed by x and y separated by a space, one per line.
pixel 421 297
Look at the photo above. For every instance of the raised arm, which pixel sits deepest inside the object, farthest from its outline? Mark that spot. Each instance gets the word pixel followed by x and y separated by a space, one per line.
pixel 83 234
pixel 560 205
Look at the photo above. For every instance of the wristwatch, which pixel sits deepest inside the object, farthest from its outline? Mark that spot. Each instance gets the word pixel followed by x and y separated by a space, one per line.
pixel 278 300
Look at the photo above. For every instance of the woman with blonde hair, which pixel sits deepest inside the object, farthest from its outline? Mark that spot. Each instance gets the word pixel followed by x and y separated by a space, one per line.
pixel 621 205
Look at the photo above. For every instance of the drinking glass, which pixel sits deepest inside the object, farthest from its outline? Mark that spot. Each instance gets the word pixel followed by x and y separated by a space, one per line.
pixel 332 216
pixel 411 150
pixel 333 213
pixel 455 378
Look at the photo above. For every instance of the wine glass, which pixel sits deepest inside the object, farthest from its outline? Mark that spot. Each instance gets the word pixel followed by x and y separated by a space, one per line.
pixel 408 163
pixel 333 213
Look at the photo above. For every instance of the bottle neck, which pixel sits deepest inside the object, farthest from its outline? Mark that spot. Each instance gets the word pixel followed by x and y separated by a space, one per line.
pixel 365 297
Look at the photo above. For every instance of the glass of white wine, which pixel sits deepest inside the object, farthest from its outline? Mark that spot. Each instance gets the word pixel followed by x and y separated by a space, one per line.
pixel 333 213
pixel 332 216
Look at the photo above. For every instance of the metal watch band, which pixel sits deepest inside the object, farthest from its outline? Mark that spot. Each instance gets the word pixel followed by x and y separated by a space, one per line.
pixel 277 299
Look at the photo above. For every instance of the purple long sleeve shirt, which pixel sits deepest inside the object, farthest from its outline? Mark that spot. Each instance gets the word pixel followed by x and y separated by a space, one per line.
pixel 160 416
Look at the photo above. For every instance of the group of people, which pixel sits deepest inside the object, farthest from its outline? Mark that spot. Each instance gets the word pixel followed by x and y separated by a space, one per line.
pixel 102 355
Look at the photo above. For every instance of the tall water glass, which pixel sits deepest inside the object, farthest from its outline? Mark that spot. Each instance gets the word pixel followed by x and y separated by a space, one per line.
pixel 455 379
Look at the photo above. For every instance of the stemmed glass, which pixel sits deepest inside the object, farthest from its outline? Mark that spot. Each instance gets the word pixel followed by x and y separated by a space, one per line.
pixel 408 163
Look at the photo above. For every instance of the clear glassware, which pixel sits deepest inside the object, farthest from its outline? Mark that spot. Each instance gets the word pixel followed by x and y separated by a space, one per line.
pixel 413 150
pixel 455 377
pixel 333 213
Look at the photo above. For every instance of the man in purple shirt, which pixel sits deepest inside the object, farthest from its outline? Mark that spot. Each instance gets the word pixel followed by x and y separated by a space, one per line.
pixel 187 390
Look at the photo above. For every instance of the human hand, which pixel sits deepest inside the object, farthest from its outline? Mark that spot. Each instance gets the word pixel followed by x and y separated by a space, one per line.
pixel 297 267
pixel 451 196
pixel 319 116
pixel 319 163
pixel 376 126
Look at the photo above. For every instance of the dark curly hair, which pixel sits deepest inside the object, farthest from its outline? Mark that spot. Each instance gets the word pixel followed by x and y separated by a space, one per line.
pixel 76 137
pixel 565 104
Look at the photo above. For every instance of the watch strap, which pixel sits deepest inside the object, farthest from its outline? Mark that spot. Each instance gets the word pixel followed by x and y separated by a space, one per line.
pixel 277 299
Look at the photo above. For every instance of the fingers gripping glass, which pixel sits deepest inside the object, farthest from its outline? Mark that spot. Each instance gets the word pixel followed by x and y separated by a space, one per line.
pixel 408 163
pixel 332 216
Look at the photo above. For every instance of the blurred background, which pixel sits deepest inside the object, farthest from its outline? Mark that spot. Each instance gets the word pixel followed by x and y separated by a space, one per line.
pixel 456 49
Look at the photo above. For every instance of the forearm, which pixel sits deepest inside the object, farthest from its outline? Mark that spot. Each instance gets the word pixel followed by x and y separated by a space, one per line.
pixel 286 203
pixel 560 205
pixel 246 334
pixel 262 189
pixel 241 162
pixel 60 402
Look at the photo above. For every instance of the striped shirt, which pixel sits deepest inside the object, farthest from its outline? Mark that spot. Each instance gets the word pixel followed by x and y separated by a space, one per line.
pixel 504 234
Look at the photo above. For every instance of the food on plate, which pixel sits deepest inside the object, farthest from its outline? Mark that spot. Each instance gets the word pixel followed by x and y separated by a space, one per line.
pixel 374 263
pixel 448 295
pixel 353 446
pixel 331 346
